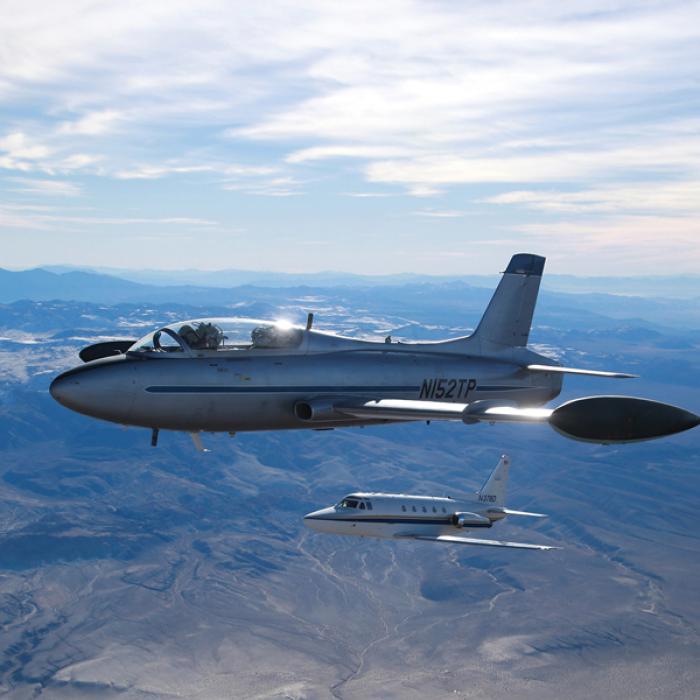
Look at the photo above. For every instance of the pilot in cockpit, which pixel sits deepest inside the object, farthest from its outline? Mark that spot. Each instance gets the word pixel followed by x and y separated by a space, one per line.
pixel 205 336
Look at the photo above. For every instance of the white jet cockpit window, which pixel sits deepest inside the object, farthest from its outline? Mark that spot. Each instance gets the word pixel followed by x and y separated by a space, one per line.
pixel 348 503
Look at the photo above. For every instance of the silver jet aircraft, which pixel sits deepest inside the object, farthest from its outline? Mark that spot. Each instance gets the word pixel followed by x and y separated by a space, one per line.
pixel 204 375
pixel 431 518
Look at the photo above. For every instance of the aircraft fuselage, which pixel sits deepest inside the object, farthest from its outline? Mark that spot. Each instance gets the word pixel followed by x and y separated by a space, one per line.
pixel 396 515
pixel 250 389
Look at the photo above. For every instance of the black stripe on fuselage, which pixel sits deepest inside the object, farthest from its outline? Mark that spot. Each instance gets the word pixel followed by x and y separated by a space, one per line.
pixel 395 520
pixel 500 387
pixel 197 389
pixel 275 389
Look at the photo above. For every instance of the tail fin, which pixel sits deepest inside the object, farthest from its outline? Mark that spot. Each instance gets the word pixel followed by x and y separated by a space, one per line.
pixel 494 490
pixel 508 317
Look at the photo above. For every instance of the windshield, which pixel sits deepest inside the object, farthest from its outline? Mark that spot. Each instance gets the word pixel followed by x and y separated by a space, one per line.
pixel 220 334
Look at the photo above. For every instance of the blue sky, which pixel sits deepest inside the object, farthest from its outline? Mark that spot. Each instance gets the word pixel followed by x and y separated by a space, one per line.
pixel 435 137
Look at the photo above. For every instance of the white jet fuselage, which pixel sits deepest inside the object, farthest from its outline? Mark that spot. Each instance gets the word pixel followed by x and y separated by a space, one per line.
pixel 400 515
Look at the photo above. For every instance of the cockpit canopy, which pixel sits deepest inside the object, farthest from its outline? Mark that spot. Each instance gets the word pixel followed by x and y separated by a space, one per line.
pixel 220 334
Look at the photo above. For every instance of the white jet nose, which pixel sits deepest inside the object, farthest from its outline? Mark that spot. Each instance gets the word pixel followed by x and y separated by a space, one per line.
pixel 318 520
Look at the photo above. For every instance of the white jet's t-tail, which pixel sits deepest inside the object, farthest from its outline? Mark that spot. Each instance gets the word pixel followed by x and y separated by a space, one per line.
pixel 430 518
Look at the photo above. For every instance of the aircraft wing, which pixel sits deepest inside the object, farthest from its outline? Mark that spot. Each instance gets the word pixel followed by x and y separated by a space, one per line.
pixel 557 369
pixel 599 419
pixel 473 541
pixel 406 409
pixel 403 409
pixel 508 511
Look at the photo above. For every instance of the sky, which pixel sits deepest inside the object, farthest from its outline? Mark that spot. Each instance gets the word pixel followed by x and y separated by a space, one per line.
pixel 401 136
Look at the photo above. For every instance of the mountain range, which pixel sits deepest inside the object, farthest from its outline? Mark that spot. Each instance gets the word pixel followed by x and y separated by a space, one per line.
pixel 141 573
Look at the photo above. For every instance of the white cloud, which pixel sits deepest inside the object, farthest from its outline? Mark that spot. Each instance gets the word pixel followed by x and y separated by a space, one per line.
pixel 620 244
pixel 74 161
pixel 368 195
pixel 16 216
pixel 153 172
pixel 59 188
pixel 25 154
pixel 440 214
pixel 361 80
pixel 273 187
pixel 92 123
pixel 591 102
pixel 17 145
pixel 129 221
pixel 681 196
pixel 340 151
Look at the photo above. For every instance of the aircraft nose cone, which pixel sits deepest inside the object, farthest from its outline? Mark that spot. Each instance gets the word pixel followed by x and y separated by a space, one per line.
pixel 102 391
pixel 315 520
pixel 66 390
pixel 57 389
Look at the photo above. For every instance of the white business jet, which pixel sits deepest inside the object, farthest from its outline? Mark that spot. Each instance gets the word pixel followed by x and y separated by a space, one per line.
pixel 431 518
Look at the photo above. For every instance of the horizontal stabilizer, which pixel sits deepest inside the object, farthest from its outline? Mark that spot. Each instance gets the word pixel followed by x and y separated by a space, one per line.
pixel 473 541
pixel 508 511
pixel 576 370
pixel 109 348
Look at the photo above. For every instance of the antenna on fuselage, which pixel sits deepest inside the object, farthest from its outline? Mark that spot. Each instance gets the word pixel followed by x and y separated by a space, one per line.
pixel 309 320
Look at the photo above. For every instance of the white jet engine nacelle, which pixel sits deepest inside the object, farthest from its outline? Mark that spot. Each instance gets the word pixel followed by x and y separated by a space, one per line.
pixel 470 520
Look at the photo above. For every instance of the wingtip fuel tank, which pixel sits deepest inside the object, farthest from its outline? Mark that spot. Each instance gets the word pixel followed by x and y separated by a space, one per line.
pixel 620 419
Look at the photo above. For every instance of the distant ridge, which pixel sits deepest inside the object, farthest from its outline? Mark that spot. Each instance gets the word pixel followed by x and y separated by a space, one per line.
pixel 78 285
pixel 262 278
pixel 44 285
pixel 671 286
pixel 461 296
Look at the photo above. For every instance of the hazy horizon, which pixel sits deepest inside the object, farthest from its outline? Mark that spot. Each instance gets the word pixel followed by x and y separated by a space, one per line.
pixel 60 268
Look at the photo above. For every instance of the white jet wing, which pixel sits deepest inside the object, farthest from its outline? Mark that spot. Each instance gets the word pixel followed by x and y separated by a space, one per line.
pixel 508 511
pixel 473 541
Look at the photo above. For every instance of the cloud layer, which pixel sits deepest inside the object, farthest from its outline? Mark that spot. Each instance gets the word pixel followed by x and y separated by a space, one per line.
pixel 515 117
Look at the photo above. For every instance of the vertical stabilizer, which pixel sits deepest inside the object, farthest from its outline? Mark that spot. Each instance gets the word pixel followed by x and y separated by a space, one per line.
pixel 494 490
pixel 508 317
